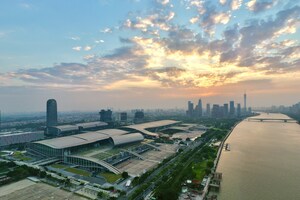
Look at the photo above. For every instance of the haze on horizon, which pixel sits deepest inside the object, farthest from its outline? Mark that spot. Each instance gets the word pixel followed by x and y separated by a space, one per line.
pixel 148 54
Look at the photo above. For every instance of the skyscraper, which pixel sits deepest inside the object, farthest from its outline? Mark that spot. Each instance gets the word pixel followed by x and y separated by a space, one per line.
pixel 238 112
pixel 190 110
pixel 216 112
pixel 105 115
pixel 51 113
pixel 245 102
pixel 231 109
pixel 199 108
pixel 225 108
pixel 139 116
pixel 208 110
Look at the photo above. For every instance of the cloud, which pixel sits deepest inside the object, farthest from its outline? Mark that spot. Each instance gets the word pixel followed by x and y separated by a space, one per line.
pixel 163 2
pixel 87 48
pixel 106 30
pixel 163 54
pixel 99 41
pixel 236 4
pixel 76 38
pixel 77 48
pixel 210 15
pixel 260 5
pixel 25 5
pixel 194 20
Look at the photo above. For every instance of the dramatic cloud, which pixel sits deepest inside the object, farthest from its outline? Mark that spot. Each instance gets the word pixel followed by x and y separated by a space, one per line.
pixel 204 52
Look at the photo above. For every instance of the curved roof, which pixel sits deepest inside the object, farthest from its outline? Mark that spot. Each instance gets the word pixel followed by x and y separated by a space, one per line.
pixel 73 140
pixel 128 138
pixel 91 124
pixel 112 132
pixel 63 128
pixel 142 127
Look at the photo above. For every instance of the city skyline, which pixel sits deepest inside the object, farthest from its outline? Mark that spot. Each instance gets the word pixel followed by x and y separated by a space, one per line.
pixel 148 54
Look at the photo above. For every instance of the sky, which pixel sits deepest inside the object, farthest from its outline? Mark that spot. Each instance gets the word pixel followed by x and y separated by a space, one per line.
pixel 127 54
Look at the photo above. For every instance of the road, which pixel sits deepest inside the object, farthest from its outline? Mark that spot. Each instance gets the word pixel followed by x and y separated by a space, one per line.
pixel 157 171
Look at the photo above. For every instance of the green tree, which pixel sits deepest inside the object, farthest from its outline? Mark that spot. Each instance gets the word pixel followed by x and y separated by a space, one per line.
pixel 100 194
pixel 210 164
pixel 125 175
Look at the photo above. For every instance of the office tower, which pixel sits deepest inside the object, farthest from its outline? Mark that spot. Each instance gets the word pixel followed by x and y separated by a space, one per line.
pixel 123 116
pixel 208 110
pixel 238 112
pixel 139 116
pixel 199 109
pixel 190 110
pixel 245 102
pixel 105 115
pixel 215 112
pixel 249 110
pixel 225 109
pixel 231 108
pixel 195 111
pixel 51 113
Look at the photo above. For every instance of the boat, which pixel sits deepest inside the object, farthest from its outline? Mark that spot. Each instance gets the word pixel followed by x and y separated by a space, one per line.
pixel 227 147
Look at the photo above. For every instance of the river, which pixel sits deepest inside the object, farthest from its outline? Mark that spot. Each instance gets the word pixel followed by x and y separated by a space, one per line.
pixel 263 162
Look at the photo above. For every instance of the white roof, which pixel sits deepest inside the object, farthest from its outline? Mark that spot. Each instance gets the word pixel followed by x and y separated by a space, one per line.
pixel 91 124
pixel 112 132
pixel 128 138
pixel 73 140
pixel 142 127
pixel 63 128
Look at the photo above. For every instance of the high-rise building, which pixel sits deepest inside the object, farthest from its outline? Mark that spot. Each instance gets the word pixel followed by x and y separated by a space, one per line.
pixel 105 115
pixel 190 110
pixel 216 112
pixel 199 109
pixel 123 116
pixel 208 110
pixel 249 110
pixel 238 110
pixel 225 109
pixel 139 116
pixel 51 113
pixel 245 102
pixel 231 108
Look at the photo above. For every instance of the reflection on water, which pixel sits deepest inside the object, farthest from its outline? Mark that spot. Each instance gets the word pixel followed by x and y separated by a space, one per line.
pixel 264 161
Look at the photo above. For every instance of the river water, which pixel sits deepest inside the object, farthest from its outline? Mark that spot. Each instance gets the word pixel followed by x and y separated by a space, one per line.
pixel 263 162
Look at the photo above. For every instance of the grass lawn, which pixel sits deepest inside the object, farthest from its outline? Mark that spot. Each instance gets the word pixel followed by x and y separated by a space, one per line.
pixel 20 156
pixel 59 166
pixel 110 177
pixel 78 171
pixel 199 169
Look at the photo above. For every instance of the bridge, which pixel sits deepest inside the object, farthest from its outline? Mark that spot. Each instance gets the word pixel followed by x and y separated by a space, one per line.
pixel 271 119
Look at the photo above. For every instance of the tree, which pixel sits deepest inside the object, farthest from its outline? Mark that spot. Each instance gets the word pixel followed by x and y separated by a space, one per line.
pixel 125 175
pixel 100 194
pixel 210 164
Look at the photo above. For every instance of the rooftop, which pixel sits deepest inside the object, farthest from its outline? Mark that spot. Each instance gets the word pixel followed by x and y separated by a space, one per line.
pixel 73 140
pixel 142 127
